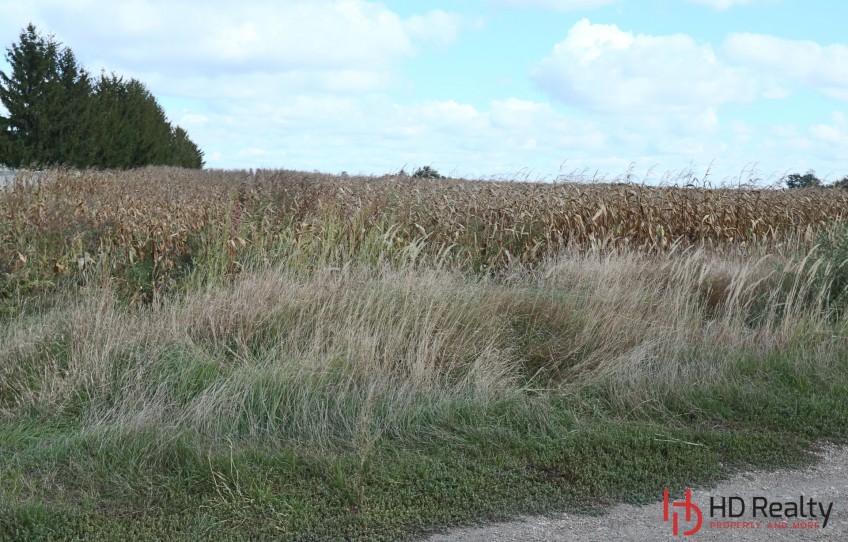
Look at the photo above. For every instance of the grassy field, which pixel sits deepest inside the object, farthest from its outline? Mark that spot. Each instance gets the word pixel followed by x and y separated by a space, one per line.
pixel 291 356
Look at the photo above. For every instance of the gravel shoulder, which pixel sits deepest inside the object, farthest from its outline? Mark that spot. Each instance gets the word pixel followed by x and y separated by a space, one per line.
pixel 824 481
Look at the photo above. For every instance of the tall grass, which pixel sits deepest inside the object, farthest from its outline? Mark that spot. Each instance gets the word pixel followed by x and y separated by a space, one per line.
pixel 242 337
pixel 306 357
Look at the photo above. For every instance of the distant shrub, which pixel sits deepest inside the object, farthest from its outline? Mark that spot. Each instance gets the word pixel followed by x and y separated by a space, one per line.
pixel 427 172
pixel 841 184
pixel 808 180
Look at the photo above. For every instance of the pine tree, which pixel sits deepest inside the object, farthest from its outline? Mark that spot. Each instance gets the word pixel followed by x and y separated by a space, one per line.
pixel 132 128
pixel 58 115
pixel 187 154
pixel 26 96
pixel 73 112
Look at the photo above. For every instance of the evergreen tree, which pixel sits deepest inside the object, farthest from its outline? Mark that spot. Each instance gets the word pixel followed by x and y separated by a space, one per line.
pixel 26 96
pixel 58 115
pixel 188 155
pixel 131 124
pixel 73 112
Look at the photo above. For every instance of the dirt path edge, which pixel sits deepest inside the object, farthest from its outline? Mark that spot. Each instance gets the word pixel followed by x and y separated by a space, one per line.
pixel 794 492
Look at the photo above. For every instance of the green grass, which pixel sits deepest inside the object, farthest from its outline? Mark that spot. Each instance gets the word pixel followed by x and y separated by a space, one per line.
pixel 530 454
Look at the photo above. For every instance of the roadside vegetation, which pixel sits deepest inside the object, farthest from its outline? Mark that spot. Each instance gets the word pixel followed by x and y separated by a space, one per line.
pixel 289 356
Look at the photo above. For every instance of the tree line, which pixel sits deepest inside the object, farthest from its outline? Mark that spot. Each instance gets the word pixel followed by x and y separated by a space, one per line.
pixel 809 180
pixel 58 114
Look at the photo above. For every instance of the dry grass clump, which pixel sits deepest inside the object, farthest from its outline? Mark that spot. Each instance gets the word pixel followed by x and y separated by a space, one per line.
pixel 274 353
pixel 308 356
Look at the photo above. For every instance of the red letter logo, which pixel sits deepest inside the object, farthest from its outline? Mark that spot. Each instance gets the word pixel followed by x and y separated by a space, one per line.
pixel 689 506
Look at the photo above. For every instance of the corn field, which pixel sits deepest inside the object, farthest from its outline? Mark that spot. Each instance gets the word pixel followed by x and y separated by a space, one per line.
pixel 147 228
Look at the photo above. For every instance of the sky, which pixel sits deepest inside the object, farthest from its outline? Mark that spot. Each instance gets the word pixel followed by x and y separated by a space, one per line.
pixel 726 90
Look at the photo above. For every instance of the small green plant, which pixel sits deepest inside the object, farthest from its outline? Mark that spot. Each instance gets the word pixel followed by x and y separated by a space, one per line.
pixel 833 273
pixel 819 279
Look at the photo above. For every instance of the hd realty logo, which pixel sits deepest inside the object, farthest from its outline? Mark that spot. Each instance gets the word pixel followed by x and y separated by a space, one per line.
pixel 690 509
pixel 687 517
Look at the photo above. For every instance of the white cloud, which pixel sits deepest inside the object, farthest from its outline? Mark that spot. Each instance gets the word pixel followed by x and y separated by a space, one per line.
pixel 833 137
pixel 707 121
pixel 515 114
pixel 674 66
pixel 577 5
pixel 559 5
pixel 743 132
pixel 317 84
pixel 259 37
pixel 373 134
pixel 665 100
pixel 193 119
pixel 437 26
pixel 607 70
pixel 178 38
pixel 795 62
pixel 721 4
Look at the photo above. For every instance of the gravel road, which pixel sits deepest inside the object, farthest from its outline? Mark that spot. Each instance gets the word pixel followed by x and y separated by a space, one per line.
pixel 824 482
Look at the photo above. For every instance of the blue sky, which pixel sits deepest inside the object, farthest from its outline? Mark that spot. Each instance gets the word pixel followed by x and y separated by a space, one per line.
pixel 483 88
